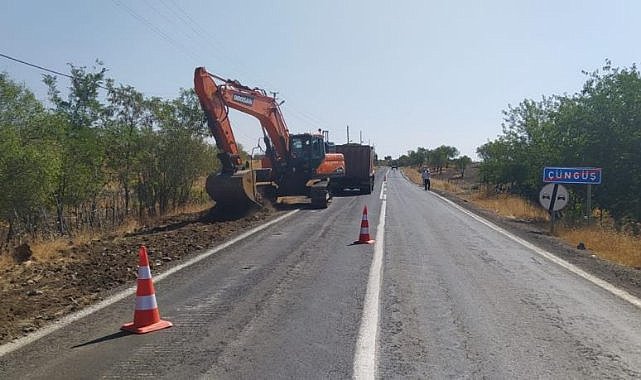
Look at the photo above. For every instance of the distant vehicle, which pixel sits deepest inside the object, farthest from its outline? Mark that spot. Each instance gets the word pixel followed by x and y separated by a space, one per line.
pixel 394 167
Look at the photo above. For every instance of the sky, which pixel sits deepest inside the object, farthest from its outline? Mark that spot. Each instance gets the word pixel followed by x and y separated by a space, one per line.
pixel 401 74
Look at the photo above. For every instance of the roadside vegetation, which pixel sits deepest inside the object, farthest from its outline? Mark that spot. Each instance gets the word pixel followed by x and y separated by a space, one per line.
pixel 600 126
pixel 95 157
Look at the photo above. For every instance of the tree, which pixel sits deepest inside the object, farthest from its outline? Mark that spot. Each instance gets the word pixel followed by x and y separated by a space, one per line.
pixel 610 136
pixel 175 154
pixel 127 114
pixel 462 163
pixel 598 127
pixel 27 161
pixel 441 156
pixel 80 148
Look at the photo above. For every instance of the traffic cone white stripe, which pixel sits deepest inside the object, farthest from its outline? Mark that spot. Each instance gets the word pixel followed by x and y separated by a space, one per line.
pixel 364 230
pixel 144 273
pixel 146 302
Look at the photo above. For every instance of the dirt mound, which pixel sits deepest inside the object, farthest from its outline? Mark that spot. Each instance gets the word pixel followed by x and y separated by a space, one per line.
pixel 34 293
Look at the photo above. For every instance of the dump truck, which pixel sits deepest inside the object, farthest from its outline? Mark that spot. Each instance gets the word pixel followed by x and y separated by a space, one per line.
pixel 359 168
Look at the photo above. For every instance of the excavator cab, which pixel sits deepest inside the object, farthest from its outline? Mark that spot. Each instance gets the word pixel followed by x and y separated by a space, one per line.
pixel 307 151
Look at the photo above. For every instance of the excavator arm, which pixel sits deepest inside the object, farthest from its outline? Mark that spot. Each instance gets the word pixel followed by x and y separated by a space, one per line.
pixel 216 98
pixel 218 121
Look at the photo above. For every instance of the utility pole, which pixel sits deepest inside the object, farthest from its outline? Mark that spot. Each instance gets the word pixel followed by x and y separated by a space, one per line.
pixel 348 133
pixel 361 137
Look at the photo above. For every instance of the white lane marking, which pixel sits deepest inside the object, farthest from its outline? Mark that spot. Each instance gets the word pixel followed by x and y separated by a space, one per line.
pixel 365 357
pixel 383 194
pixel 21 342
pixel 572 268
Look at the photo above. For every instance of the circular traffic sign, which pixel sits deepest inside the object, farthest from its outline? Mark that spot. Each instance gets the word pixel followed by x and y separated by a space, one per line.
pixel 561 196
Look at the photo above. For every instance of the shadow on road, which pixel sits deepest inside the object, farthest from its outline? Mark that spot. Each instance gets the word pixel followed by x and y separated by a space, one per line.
pixel 105 338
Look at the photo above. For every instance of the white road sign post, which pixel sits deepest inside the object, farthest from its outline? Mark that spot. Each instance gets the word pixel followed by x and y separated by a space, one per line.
pixel 553 197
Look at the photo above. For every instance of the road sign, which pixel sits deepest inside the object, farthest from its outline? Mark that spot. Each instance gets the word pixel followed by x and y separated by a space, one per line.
pixel 588 176
pixel 548 194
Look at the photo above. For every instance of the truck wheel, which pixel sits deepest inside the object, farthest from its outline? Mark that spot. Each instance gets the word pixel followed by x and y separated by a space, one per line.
pixel 367 189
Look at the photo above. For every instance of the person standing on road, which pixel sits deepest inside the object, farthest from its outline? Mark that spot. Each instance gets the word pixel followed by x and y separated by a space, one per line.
pixel 425 174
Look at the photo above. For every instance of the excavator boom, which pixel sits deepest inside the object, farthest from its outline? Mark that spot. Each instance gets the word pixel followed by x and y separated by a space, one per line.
pixel 233 186
pixel 218 120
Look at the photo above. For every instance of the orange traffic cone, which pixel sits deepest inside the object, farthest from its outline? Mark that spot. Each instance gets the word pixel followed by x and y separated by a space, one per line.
pixel 146 314
pixel 363 237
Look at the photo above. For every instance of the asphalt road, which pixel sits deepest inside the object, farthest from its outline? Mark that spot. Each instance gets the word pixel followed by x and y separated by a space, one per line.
pixel 463 300
pixel 283 303
pixel 456 299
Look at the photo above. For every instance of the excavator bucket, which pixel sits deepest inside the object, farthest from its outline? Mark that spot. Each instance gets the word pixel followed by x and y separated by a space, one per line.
pixel 232 191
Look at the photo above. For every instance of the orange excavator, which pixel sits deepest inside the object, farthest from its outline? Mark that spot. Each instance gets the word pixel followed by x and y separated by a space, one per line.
pixel 294 165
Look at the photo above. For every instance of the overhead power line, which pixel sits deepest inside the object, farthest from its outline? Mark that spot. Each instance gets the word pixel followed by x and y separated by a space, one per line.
pixel 43 68
pixel 34 65
pixel 202 36
pixel 155 28
pixel 198 30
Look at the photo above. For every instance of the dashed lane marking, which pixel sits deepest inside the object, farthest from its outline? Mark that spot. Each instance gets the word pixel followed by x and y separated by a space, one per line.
pixel 383 194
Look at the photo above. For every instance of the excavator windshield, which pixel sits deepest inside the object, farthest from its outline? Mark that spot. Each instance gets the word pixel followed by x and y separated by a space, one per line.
pixel 307 147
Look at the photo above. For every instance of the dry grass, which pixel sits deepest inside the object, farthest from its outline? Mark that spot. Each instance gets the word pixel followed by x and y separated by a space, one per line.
pixel 606 243
pixel 510 206
pixel 6 261
pixel 450 187
pixel 128 226
pixel 506 205
pixel 43 250
pixel 47 250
